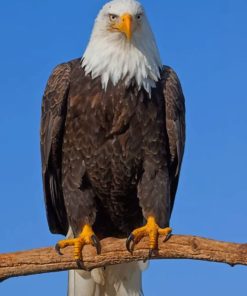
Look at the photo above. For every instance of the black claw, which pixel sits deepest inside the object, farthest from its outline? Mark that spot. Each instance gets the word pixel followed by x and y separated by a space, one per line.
pixel 130 243
pixel 57 248
pixel 96 243
pixel 167 237
pixel 151 253
pixel 145 260
pixel 80 263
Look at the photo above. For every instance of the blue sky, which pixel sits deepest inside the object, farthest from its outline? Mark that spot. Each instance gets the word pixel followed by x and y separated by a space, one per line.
pixel 205 42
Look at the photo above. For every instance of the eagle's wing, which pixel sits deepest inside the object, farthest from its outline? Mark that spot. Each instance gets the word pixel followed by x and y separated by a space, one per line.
pixel 175 124
pixel 54 109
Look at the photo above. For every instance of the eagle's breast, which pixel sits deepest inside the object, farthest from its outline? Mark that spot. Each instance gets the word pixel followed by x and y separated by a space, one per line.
pixel 103 129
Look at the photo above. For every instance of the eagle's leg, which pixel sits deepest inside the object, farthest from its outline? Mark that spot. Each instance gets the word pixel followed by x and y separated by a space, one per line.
pixel 152 230
pixel 87 237
pixel 81 210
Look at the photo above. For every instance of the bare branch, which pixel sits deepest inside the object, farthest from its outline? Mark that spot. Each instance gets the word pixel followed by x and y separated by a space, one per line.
pixel 114 252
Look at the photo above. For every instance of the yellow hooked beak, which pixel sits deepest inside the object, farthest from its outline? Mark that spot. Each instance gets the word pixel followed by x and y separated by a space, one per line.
pixel 125 25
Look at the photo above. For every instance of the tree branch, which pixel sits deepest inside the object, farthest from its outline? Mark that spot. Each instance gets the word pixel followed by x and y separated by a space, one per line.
pixel 114 252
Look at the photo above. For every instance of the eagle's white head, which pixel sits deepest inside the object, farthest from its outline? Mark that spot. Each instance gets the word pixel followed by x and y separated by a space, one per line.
pixel 122 46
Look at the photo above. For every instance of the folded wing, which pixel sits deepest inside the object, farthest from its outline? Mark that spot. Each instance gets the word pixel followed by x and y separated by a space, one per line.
pixel 175 124
pixel 54 110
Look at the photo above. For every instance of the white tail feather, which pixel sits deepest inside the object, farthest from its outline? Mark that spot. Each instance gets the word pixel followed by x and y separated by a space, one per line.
pixel 117 280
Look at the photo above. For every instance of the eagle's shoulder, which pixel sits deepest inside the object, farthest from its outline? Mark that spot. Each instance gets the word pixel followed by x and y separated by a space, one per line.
pixel 172 88
pixel 57 85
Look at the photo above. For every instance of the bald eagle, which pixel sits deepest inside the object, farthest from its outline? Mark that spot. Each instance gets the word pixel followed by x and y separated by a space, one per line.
pixel 112 142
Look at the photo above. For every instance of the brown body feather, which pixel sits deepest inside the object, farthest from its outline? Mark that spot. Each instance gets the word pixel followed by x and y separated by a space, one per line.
pixel 110 158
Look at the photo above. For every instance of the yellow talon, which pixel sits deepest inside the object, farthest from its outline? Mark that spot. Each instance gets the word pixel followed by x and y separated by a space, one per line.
pixel 152 230
pixel 87 237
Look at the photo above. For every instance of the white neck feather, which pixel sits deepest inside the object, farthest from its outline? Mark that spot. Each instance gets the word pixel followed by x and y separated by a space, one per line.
pixel 113 58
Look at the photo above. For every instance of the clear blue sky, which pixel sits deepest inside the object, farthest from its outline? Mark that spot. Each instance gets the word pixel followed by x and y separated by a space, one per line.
pixel 205 42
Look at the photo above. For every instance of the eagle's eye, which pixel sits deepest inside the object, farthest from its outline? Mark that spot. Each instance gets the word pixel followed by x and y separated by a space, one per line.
pixel 139 16
pixel 113 17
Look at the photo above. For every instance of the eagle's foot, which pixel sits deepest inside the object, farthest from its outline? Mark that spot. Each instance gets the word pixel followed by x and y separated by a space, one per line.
pixel 87 237
pixel 152 230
